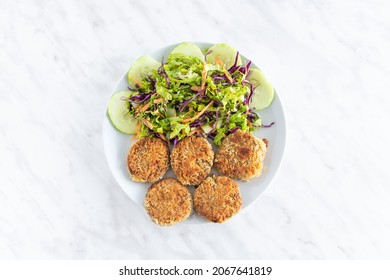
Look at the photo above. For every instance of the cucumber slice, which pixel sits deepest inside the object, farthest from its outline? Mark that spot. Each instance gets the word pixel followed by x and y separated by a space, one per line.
pixel 188 49
pixel 118 112
pixel 264 91
pixel 225 53
pixel 142 67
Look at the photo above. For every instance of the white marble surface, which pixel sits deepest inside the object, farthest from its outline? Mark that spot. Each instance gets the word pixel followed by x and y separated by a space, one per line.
pixel 329 61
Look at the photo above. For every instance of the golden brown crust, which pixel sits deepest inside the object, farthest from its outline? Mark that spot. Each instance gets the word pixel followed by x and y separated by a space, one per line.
pixel 217 199
pixel 241 156
pixel 168 202
pixel 148 159
pixel 192 159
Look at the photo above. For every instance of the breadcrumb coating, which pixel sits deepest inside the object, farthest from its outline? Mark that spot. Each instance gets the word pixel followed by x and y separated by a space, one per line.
pixel 217 199
pixel 148 159
pixel 241 156
pixel 192 159
pixel 168 202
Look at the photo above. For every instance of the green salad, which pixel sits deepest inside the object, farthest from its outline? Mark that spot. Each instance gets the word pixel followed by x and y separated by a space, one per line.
pixel 209 94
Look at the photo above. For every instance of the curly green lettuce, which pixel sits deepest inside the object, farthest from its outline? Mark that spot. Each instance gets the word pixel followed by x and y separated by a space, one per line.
pixel 187 96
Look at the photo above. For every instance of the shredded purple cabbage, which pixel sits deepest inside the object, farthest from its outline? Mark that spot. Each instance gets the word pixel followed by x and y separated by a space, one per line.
pixel 217 103
pixel 208 114
pixel 251 116
pixel 198 122
pixel 267 125
pixel 228 119
pixel 161 69
pixel 211 134
pixel 174 141
pixel 233 69
pixel 230 70
pixel 217 78
pixel 248 100
pixel 233 130
pixel 154 133
pixel 142 97
pixel 185 103
pixel 162 72
pixel 152 81
pixel 247 66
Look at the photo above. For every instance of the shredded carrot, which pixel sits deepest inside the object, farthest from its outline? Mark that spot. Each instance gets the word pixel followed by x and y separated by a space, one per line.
pixel 147 123
pixel 137 130
pixel 218 61
pixel 158 101
pixel 199 114
pixel 195 88
pixel 144 108
pixel 227 75
pixel 136 81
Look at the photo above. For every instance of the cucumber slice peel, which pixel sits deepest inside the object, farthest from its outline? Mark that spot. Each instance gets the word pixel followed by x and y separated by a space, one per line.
pixel 118 113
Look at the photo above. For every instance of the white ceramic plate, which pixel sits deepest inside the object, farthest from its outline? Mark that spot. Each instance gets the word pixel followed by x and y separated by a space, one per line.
pixel 116 146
